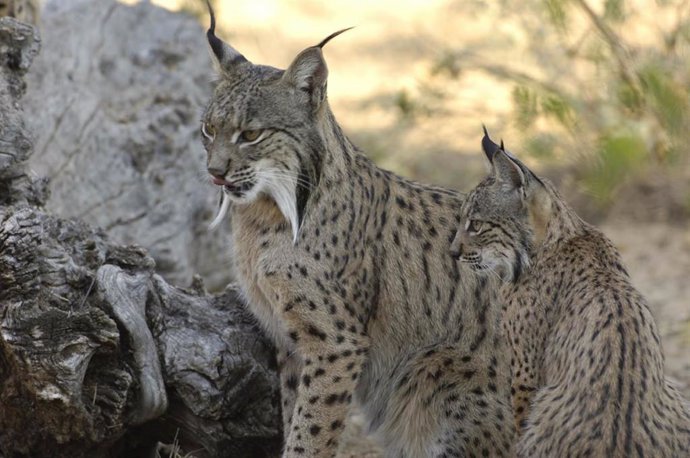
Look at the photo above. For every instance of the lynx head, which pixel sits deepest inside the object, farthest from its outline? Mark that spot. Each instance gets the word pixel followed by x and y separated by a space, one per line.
pixel 261 129
pixel 501 218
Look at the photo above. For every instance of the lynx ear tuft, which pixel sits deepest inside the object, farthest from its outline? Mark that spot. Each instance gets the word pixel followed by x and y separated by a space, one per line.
pixel 332 36
pixel 225 56
pixel 489 146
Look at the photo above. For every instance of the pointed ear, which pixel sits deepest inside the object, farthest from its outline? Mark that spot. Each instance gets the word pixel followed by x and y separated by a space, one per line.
pixel 225 57
pixel 507 171
pixel 308 73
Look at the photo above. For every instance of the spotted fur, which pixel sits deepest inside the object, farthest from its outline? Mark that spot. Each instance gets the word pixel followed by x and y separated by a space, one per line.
pixel 347 268
pixel 587 363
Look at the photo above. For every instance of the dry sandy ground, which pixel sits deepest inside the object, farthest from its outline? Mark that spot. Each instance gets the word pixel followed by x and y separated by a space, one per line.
pixel 658 259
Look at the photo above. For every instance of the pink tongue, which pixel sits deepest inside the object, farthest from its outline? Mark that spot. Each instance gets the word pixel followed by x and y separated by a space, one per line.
pixel 218 181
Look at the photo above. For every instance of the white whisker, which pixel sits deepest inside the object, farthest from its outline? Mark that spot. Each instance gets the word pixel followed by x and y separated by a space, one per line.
pixel 298 180
pixel 286 176
pixel 492 270
pixel 202 175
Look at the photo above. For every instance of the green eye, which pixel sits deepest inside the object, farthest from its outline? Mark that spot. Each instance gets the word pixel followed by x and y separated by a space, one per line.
pixel 473 226
pixel 249 136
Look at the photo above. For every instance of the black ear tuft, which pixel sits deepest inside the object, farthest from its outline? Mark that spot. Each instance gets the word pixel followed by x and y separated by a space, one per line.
pixel 226 56
pixel 215 43
pixel 331 36
pixel 490 148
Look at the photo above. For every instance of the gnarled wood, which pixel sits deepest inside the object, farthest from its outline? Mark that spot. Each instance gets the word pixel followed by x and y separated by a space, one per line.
pixel 126 294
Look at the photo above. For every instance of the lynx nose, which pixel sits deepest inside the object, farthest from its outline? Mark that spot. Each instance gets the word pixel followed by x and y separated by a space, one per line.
pixel 217 172
pixel 456 251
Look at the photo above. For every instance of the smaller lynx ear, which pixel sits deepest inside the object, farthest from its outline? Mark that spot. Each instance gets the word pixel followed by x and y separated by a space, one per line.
pixel 489 146
pixel 225 56
pixel 507 171
pixel 309 73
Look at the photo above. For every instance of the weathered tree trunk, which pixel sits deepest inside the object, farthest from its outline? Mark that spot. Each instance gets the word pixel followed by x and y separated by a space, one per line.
pixel 99 356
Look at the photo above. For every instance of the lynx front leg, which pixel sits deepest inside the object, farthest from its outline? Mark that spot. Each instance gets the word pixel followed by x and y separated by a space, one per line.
pixel 333 352
pixel 321 409
pixel 290 368
pixel 330 344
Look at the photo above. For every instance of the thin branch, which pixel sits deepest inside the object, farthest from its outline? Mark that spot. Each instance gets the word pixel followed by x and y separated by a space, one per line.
pixel 614 42
pixel 672 38
pixel 520 77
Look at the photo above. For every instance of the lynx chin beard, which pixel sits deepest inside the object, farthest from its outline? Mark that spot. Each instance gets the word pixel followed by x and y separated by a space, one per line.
pixel 265 180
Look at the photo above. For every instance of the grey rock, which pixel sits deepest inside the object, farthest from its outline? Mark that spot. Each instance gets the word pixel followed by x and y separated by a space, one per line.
pixel 115 101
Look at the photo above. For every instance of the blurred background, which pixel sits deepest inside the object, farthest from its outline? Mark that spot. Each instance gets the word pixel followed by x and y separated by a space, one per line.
pixel 592 94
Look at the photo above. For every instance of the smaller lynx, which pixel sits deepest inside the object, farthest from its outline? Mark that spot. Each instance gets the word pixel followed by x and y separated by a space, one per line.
pixel 587 364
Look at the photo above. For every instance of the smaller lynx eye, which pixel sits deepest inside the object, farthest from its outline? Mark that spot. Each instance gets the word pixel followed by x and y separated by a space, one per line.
pixel 249 136
pixel 473 226
pixel 208 130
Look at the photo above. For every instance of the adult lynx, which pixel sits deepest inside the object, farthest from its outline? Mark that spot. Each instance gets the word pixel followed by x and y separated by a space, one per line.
pixel 347 267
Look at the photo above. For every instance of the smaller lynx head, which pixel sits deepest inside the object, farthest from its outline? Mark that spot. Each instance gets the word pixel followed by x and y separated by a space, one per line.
pixel 262 129
pixel 501 217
